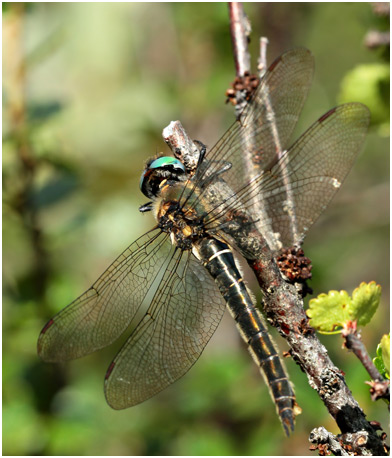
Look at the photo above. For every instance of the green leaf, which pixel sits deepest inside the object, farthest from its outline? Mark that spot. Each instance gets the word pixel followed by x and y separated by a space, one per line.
pixel 368 84
pixel 330 312
pixel 386 351
pixel 366 299
pixel 381 361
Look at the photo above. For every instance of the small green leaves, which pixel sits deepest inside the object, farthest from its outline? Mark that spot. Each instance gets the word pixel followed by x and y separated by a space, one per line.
pixel 381 361
pixel 329 313
pixel 365 301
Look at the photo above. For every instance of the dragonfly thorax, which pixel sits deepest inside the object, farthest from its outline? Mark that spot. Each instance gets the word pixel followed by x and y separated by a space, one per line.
pixel 184 224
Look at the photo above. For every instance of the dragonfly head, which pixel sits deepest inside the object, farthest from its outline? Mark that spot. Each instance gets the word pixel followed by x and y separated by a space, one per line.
pixel 157 171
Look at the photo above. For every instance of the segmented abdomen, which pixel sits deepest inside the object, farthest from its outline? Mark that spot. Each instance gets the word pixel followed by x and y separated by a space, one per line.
pixel 219 261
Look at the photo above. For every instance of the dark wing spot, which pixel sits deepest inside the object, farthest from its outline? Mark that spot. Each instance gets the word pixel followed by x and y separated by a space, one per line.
pixel 327 115
pixel 47 326
pixel 274 63
pixel 109 371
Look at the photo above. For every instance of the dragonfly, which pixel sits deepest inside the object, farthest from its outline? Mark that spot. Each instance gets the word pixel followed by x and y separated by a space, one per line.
pixel 169 289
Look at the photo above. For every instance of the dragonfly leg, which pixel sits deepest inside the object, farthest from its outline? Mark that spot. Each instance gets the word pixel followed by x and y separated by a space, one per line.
pixel 146 207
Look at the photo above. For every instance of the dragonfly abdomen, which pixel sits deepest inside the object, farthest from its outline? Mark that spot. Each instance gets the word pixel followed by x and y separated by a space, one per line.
pixel 218 258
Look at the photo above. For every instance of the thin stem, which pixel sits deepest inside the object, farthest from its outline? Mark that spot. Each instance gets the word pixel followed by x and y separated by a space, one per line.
pixel 262 61
pixel 354 343
pixel 380 388
pixel 15 109
pixel 239 30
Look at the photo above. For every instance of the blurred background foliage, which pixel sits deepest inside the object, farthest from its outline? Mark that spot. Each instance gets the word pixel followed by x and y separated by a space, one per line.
pixel 87 90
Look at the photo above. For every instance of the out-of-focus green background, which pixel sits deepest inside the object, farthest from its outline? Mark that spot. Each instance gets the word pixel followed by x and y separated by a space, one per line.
pixel 87 90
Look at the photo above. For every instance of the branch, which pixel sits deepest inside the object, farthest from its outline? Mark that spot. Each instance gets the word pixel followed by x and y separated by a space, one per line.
pixel 244 84
pixel 342 444
pixel 325 442
pixel 262 60
pixel 240 30
pixel 182 146
pixel 240 39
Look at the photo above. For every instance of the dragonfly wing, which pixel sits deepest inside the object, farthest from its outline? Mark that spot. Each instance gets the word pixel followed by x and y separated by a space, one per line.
pixel 277 103
pixel 103 312
pixel 299 187
pixel 256 141
pixel 181 319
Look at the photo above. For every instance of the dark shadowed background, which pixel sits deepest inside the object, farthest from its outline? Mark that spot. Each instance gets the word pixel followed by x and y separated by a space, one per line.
pixel 87 90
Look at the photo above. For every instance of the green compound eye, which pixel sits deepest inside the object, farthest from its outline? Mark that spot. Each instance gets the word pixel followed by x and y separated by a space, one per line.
pixel 165 161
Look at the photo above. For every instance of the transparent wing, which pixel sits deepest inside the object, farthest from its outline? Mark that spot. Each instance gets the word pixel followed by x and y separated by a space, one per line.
pixel 271 116
pixel 298 187
pixel 103 312
pixel 257 139
pixel 181 319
